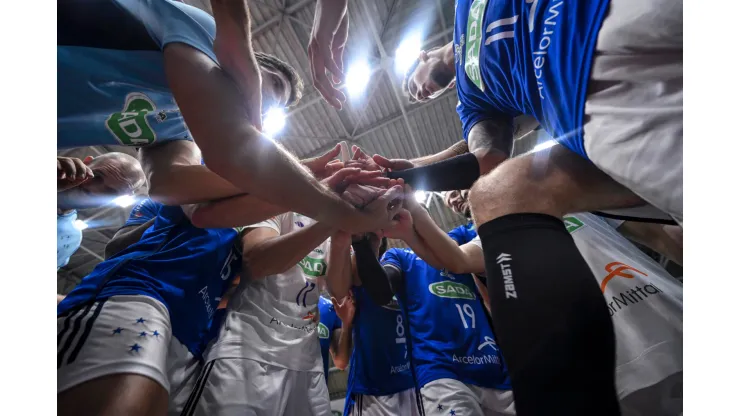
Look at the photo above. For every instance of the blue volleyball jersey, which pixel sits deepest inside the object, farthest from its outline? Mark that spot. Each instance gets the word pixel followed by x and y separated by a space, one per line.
pixel 463 234
pixel 111 84
pixel 186 268
pixel 380 361
pixel 530 57
pixel 449 332
pixel 328 322
pixel 143 211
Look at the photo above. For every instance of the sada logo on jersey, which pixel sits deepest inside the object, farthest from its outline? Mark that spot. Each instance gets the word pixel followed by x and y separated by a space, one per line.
pixel 323 331
pixel 313 267
pixel 627 297
pixel 453 290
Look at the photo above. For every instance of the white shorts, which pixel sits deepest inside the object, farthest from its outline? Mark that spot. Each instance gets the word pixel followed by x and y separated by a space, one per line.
pixel 662 399
pixel 401 403
pixel 633 125
pixel 123 335
pixel 451 397
pixel 244 387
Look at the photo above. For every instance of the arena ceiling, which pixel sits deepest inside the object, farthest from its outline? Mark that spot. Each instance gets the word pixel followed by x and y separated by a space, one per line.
pixel 380 121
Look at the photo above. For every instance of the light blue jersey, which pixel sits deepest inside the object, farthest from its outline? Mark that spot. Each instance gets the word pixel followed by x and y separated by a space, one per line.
pixel 532 57
pixel 111 84
pixel 450 334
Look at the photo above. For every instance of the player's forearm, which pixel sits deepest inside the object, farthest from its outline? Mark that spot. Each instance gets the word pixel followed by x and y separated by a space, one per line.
pixel 417 244
pixel 236 211
pixel 176 176
pixel 339 270
pixel 279 254
pixel 234 15
pixel 444 249
pixel 456 149
pixel 344 348
pixel 373 276
pixel 459 172
pixel 268 172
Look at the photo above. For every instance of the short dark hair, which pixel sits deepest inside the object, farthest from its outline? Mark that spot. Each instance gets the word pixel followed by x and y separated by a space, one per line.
pixel 274 63
pixel 412 68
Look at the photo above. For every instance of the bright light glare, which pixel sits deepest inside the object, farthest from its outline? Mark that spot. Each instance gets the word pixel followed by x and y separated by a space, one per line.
pixel 124 201
pixel 358 77
pixel 407 52
pixel 544 145
pixel 80 225
pixel 273 121
pixel 420 196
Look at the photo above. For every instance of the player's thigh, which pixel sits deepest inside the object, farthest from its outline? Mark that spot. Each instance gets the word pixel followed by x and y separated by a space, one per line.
pixel 450 397
pixel 307 394
pixel 238 387
pixel 114 395
pixel 555 181
pixel 120 340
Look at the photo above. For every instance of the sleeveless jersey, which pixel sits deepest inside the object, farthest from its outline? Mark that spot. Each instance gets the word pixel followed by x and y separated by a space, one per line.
pixel 184 267
pixel 450 335
pixel 645 303
pixel 111 87
pixel 529 57
pixel 277 316
pixel 328 322
pixel 380 361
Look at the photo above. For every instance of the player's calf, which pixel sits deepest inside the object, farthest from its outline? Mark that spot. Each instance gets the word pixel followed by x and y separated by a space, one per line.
pixel 549 313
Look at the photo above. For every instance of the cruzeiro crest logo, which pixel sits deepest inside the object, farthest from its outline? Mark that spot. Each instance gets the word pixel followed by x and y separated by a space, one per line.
pixel 454 290
pixel 130 126
pixel 323 331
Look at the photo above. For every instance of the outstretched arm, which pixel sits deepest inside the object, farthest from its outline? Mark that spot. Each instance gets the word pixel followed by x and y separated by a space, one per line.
pixel 341 349
pixel 339 268
pixel 235 149
pixel 266 252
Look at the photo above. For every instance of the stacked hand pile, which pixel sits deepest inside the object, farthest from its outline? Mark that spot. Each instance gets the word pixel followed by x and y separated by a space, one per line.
pixel 360 181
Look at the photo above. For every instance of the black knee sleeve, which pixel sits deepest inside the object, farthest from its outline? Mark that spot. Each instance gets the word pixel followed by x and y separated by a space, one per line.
pixel 550 318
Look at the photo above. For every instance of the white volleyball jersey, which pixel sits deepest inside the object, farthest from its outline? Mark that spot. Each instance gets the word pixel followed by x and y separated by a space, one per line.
pixel 274 319
pixel 644 300
pixel 645 303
